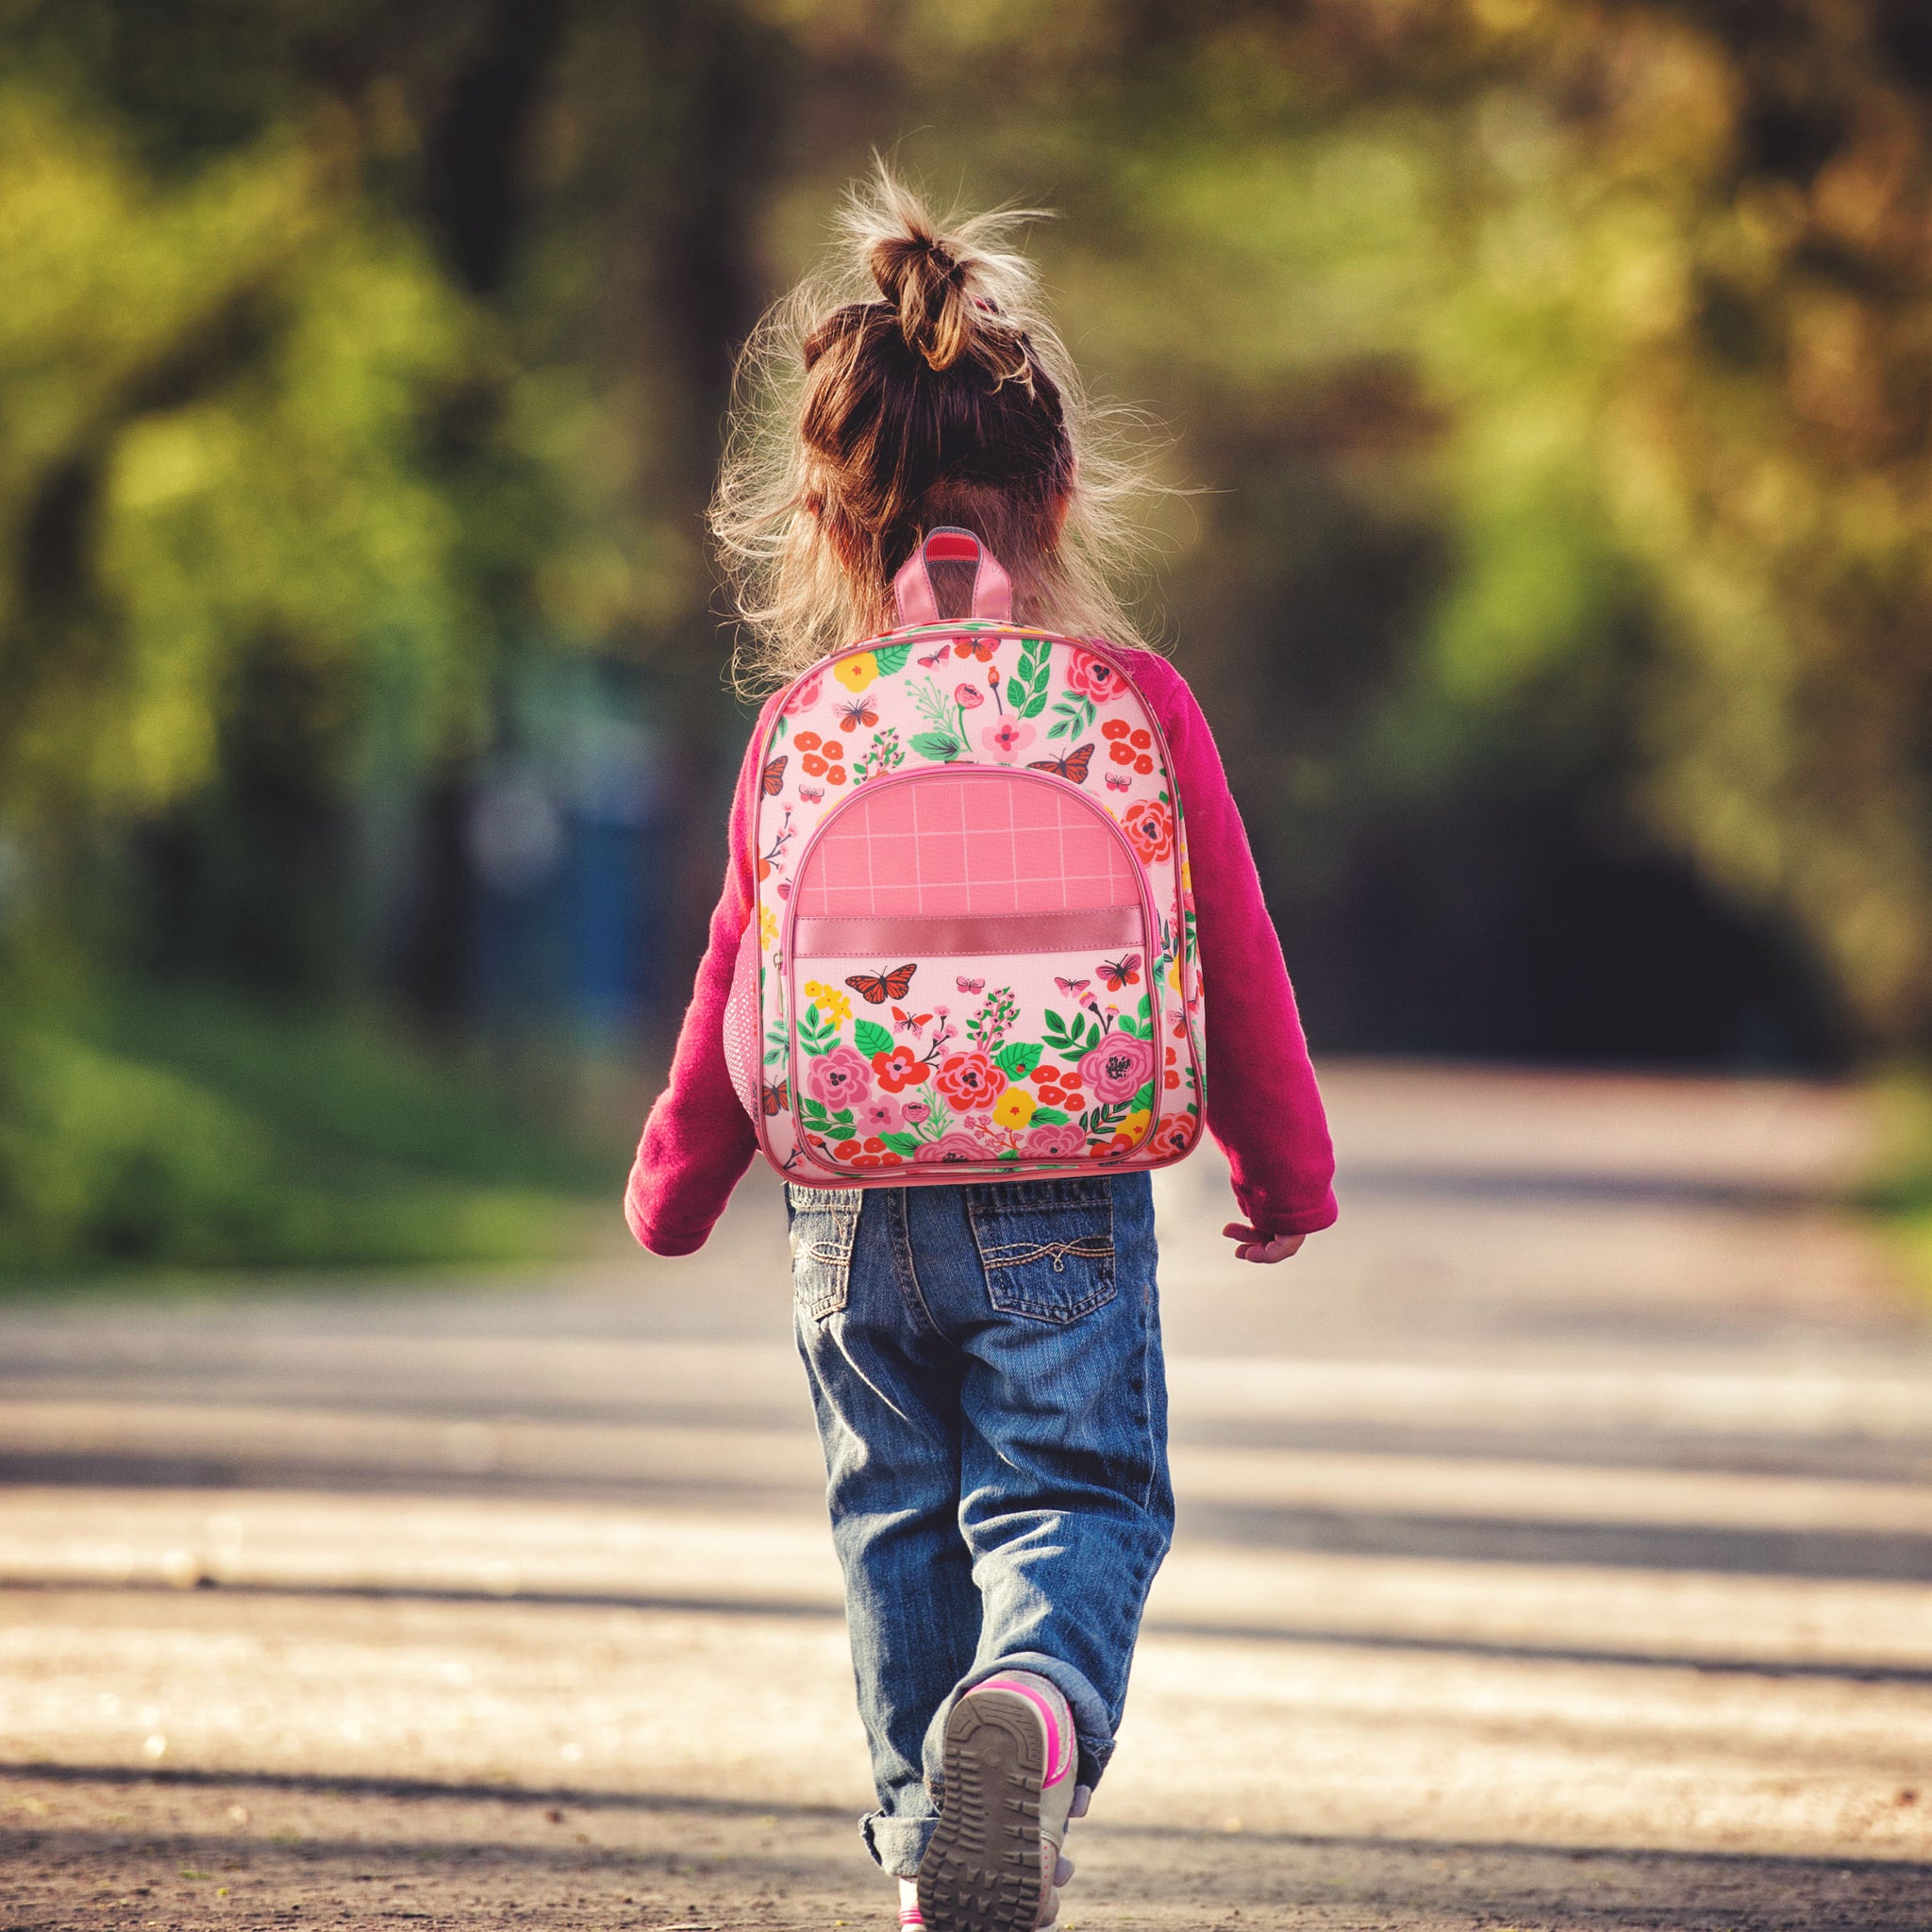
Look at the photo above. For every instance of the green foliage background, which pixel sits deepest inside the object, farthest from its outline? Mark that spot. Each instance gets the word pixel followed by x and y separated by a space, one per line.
pixel 1558 373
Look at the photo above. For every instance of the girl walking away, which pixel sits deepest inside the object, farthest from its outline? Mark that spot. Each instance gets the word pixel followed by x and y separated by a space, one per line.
pixel 1023 803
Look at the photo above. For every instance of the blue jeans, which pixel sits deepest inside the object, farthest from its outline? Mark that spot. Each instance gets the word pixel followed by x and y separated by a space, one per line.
pixel 986 1367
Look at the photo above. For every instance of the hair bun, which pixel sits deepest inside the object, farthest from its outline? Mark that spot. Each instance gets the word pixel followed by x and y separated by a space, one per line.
pixel 924 277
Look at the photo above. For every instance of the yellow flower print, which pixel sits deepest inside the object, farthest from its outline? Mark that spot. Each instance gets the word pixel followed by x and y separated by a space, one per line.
pixel 856 672
pixel 1187 874
pixel 1174 974
pixel 829 1001
pixel 1014 1107
pixel 1135 1124
pixel 768 927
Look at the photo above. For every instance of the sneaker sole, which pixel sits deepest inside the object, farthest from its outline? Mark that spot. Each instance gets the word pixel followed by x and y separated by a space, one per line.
pixel 982 1870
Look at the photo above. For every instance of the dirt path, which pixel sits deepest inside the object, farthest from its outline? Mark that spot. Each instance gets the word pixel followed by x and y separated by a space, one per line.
pixel 1556 1552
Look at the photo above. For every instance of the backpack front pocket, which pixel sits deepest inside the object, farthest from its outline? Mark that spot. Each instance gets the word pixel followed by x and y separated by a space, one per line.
pixel 974 972
pixel 1046 1245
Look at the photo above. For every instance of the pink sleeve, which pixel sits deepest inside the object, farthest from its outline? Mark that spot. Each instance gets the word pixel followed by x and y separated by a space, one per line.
pixel 1263 1106
pixel 698 1141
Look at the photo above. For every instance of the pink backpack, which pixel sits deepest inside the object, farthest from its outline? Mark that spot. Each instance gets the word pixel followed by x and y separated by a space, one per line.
pixel 972 952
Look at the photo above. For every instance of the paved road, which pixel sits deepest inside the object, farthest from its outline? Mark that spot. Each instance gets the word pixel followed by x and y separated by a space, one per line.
pixel 1556 1550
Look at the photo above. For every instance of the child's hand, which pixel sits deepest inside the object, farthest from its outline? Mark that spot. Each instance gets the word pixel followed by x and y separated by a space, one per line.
pixel 1250 1244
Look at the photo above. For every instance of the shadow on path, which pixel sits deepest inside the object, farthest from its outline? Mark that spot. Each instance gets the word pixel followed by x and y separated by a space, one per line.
pixel 465 1851
pixel 1155 1625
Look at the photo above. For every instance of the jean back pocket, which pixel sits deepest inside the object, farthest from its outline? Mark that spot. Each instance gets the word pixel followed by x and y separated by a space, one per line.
pixel 825 1224
pixel 1046 1245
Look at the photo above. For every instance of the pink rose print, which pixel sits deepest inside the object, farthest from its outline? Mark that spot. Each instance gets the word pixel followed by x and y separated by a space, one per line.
pixel 806 696
pixel 1063 1139
pixel 968 695
pixel 878 1115
pixel 1094 677
pixel 1175 1135
pixel 1118 1067
pixel 955 1146
pixel 1007 738
pixel 839 1077
pixel 1149 827
pixel 915 1112
pixel 970 1080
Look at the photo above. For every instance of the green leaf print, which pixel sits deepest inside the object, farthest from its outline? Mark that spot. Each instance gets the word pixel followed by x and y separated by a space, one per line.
pixel 1143 1097
pixel 1075 714
pixel 906 1143
pixel 892 658
pixel 815 1034
pixel 1050 1116
pixel 1027 689
pixel 942 747
pixel 871 1038
pixel 1019 1057
pixel 933 705
pixel 813 1115
pixel 778 1045
pixel 1077 1036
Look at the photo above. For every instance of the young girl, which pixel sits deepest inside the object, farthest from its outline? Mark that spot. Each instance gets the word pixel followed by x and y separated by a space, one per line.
pixel 997 1471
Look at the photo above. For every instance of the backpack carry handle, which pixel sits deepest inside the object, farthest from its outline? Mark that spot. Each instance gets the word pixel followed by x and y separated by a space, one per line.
pixel 993 589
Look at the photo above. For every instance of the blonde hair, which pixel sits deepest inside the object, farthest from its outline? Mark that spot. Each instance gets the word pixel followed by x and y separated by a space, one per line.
pixel 914 380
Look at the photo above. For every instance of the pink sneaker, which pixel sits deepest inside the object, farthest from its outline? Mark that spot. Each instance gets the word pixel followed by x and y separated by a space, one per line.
pixel 994 1862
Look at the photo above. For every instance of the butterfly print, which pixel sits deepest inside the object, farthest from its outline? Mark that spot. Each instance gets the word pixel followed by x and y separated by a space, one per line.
pixel 1073 765
pixel 1115 782
pixel 936 657
pixel 812 793
pixel 974 647
pixel 875 990
pixel 1073 989
pixel 1115 973
pixel 779 1098
pixel 774 774
pixel 904 1021
pixel 969 985
pixel 856 713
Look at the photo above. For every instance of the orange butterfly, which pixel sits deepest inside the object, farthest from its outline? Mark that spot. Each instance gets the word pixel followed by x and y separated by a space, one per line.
pixel 1073 765
pixel 1115 973
pixel 779 1098
pixel 981 648
pixel 854 714
pixel 887 986
pixel 904 1021
pixel 774 774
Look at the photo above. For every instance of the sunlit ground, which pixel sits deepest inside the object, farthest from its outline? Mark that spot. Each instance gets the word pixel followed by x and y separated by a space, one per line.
pixel 1556 1550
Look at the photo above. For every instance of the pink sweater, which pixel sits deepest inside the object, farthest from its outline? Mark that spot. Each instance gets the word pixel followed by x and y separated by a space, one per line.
pixel 1262 1103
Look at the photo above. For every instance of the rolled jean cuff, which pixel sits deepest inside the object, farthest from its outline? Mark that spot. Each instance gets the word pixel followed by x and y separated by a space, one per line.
pixel 897 1844
pixel 1090 1722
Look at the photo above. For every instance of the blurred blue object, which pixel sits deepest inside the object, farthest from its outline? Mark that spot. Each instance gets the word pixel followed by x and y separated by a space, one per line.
pixel 568 840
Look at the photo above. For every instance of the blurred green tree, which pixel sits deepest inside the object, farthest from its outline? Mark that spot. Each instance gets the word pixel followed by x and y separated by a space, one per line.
pixel 1561 370
pixel 1626 303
